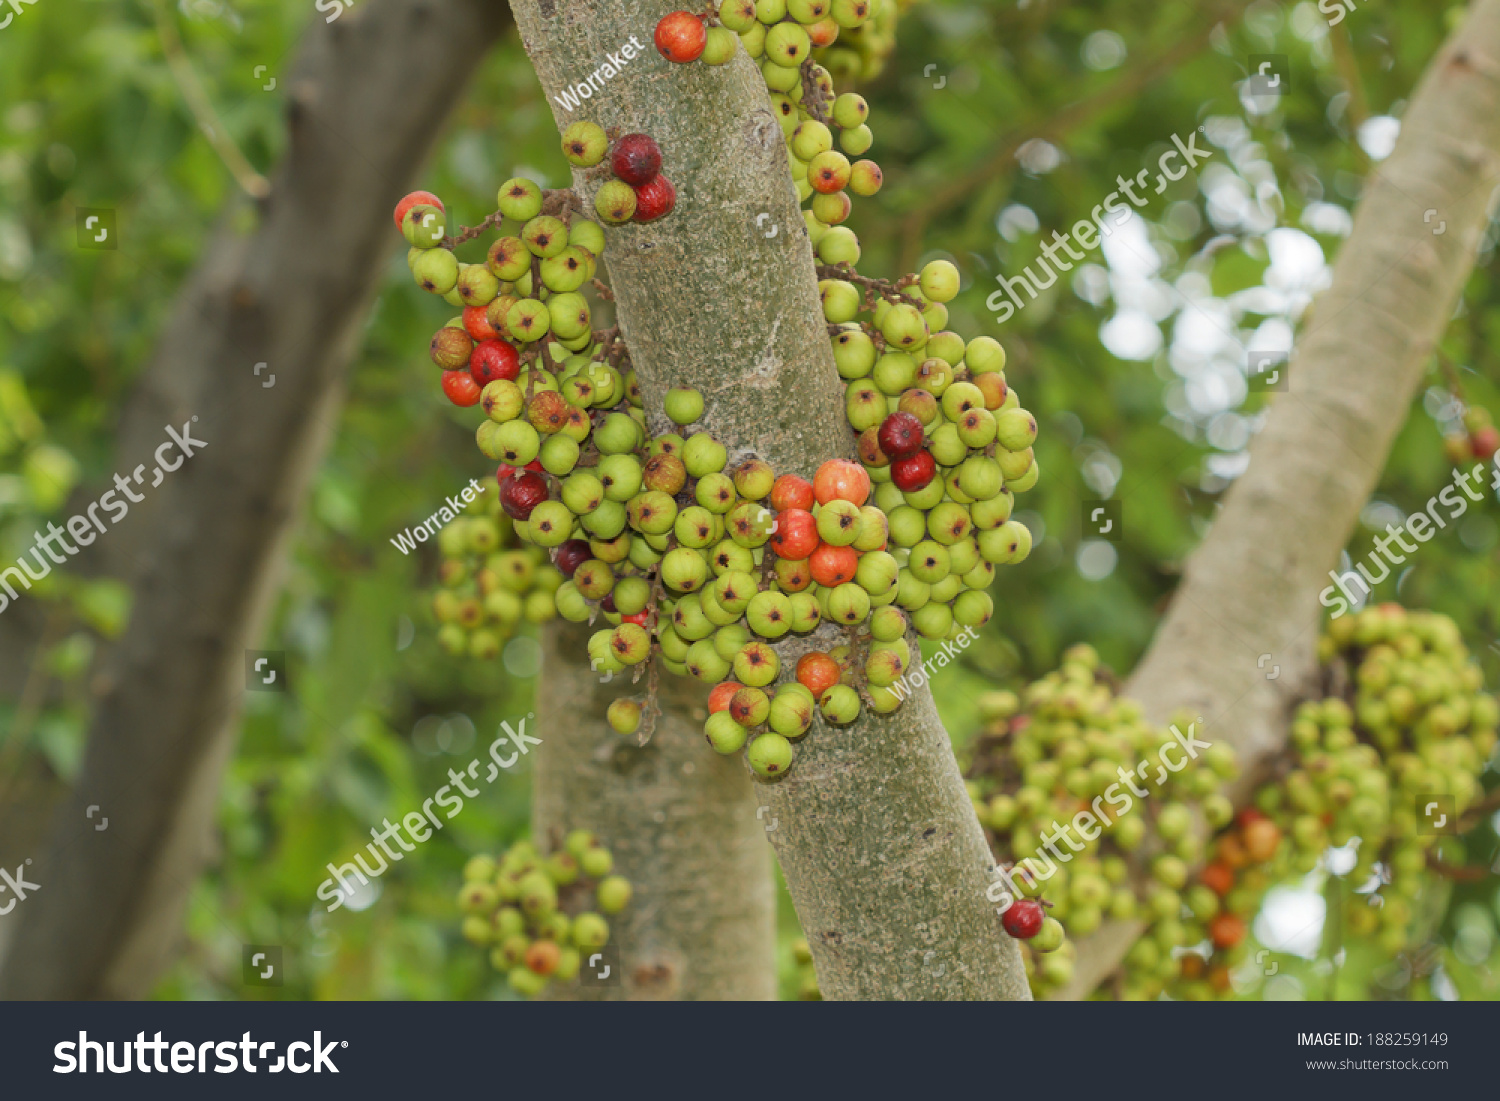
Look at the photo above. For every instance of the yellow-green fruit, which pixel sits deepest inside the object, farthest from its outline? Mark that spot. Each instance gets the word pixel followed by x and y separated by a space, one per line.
pixel 624 716
pixel 613 894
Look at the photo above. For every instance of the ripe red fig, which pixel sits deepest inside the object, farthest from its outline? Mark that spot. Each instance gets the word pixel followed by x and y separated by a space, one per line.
pixel 636 159
pixel 654 199
pixel 1024 919
pixel 572 554
pixel 901 435
pixel 494 359
pixel 913 472
pixel 522 493
pixel 681 37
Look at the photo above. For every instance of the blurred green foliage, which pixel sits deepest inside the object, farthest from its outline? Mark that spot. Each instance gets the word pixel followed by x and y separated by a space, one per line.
pixel 995 124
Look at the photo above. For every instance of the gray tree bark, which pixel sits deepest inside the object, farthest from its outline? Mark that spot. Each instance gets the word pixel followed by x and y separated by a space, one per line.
pixel 1252 587
pixel 365 98
pixel 681 822
pixel 880 848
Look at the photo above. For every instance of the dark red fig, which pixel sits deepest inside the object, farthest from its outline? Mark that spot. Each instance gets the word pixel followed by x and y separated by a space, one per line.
pixel 913 472
pixel 636 159
pixel 572 554
pixel 522 493
pixel 655 199
pixel 1024 919
pixel 901 435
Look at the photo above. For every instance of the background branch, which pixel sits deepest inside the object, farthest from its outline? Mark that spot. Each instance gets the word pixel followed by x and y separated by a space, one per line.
pixel 1252 586
pixel 251 182
pixel 366 98
pixel 1053 126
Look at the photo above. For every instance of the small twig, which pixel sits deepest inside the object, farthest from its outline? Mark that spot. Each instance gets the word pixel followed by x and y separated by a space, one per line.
pixel 883 287
pixel 32 700
pixel 1459 873
pixel 652 711
pixel 767 570
pixel 468 233
pixel 252 182
pixel 604 291
pixel 1450 374
pixel 858 645
pixel 562 201
pixel 1479 811
pixel 812 93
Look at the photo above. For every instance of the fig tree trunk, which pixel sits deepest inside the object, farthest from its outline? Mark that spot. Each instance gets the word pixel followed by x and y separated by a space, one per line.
pixel 884 858
pixel 680 821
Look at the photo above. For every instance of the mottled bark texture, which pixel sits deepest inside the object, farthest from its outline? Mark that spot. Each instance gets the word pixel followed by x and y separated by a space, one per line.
pixel 367 96
pixel 681 822
pixel 880 848
pixel 1252 587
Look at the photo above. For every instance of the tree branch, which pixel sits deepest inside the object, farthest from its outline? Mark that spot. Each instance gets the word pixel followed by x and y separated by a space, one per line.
pixel 1130 83
pixel 1253 585
pixel 367 95
pixel 252 182
pixel 681 822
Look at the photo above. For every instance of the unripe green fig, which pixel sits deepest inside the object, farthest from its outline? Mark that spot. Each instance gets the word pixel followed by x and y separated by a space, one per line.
pixel 423 226
pixel 769 755
pixel 624 716
pixel 684 406
pixel 436 271
pixel 520 199
pixel 613 895
pixel 584 144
